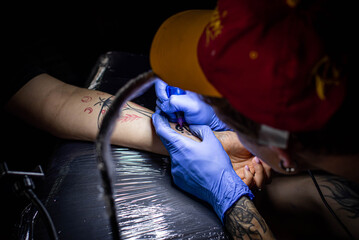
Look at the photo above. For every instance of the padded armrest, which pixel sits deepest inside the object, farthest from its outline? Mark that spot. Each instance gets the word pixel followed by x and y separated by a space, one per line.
pixel 148 204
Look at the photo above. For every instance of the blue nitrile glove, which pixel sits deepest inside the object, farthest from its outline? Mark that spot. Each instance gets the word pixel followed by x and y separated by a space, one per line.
pixel 195 110
pixel 201 168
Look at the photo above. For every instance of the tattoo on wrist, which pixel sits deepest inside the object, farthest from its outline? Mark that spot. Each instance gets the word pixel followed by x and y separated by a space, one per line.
pixel 243 220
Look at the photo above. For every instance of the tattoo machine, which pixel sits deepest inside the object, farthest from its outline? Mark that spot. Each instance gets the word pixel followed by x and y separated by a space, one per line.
pixel 176 91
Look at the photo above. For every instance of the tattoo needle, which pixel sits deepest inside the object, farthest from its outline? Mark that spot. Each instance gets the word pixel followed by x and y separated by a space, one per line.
pixel 176 91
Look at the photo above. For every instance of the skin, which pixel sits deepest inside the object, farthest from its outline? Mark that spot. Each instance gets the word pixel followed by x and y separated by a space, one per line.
pixel 71 112
pixel 257 173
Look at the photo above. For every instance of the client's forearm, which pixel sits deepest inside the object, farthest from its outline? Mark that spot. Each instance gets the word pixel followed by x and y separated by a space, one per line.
pixel 134 129
pixel 134 126
pixel 71 112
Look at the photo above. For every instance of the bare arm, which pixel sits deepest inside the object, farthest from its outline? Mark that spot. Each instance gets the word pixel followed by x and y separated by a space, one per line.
pixel 71 112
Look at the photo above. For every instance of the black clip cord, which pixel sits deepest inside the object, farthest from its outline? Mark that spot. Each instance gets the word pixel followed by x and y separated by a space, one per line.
pixel 24 186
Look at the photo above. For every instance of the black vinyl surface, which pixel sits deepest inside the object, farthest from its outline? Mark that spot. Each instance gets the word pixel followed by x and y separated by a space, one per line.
pixel 149 205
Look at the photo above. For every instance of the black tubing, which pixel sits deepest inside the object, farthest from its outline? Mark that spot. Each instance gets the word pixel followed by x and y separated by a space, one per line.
pixel 130 90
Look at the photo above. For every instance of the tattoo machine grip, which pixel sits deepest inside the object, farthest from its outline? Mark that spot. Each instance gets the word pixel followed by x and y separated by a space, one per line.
pixel 176 91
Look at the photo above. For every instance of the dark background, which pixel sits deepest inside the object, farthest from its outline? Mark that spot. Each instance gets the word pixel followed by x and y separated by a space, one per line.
pixel 64 40
pixel 75 36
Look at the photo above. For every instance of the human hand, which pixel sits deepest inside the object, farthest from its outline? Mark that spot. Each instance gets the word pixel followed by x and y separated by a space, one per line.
pixel 201 168
pixel 257 173
pixel 195 110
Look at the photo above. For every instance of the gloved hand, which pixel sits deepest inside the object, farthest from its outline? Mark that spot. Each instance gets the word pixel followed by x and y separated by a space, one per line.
pixel 201 168
pixel 195 110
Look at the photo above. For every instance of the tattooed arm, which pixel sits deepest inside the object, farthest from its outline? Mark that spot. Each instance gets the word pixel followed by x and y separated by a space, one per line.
pixel 289 196
pixel 71 112
pixel 243 221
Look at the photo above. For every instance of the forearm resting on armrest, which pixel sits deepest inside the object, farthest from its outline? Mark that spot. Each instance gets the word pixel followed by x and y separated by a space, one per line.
pixel 76 113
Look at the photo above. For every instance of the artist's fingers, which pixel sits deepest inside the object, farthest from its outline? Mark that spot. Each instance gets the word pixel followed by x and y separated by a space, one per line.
pixel 160 88
pixel 168 135
pixel 159 105
pixel 248 177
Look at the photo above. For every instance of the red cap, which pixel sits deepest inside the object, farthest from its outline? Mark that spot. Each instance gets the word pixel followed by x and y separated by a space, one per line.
pixel 266 59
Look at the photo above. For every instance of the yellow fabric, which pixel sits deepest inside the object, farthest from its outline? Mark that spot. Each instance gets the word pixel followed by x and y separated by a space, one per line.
pixel 173 54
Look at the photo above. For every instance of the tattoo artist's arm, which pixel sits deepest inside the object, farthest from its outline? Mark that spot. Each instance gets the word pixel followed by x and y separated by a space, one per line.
pixel 243 221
